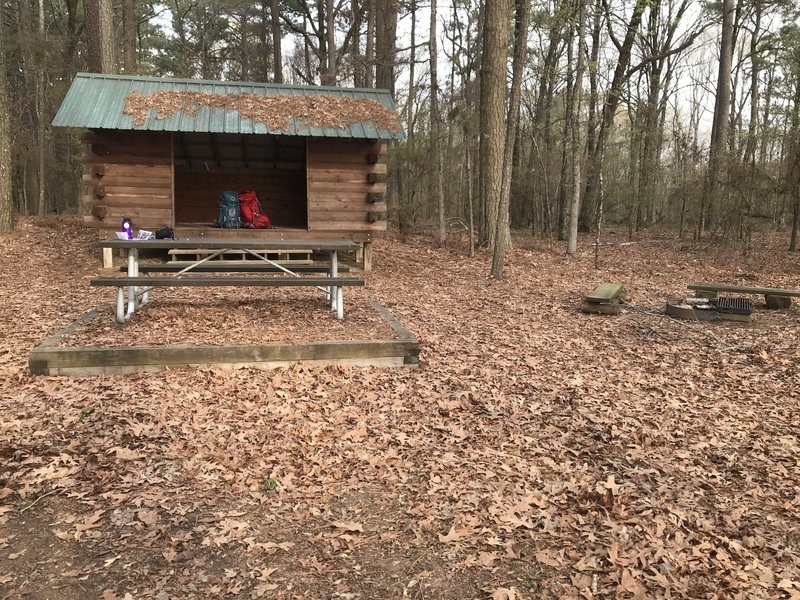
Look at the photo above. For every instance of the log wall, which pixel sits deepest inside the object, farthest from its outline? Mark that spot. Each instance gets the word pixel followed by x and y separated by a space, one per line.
pixel 128 173
pixel 341 193
pixel 346 185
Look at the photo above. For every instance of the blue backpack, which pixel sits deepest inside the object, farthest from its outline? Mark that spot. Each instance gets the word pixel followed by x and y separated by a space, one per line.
pixel 230 215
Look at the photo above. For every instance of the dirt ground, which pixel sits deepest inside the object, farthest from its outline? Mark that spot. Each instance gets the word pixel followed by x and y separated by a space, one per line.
pixel 537 452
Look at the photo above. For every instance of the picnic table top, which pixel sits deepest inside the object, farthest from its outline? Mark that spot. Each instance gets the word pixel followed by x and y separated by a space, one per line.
pixel 233 244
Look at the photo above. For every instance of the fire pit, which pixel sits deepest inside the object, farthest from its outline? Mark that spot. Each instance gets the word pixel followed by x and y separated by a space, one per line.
pixel 710 309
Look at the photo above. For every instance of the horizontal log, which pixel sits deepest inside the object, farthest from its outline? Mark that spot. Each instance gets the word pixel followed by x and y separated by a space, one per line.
pixel 324 203
pixel 339 217
pixel 343 145
pixel 164 215
pixel 332 159
pixel 375 217
pixel 126 170
pixel 333 170
pixel 327 187
pixel 344 226
pixel 378 168
pixel 375 197
pixel 126 159
pixel 159 146
pixel 120 136
pixel 124 201
pixel 376 177
pixel 112 225
pixel 337 177
pixel 161 192
pixel 139 183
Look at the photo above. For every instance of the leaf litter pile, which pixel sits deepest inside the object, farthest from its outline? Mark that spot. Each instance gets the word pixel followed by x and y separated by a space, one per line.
pixel 537 452
pixel 275 111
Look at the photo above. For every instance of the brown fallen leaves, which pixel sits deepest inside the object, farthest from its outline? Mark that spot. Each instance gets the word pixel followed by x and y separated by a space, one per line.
pixel 536 453
pixel 276 111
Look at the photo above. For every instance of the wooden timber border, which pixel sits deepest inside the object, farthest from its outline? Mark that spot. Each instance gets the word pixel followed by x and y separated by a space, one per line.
pixel 49 359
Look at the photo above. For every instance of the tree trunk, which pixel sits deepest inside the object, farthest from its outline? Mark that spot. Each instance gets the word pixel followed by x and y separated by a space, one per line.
pixel 41 126
pixel 436 191
pixel 369 62
pixel 718 149
pixel 100 35
pixel 385 44
pixel 492 111
pixel 329 70
pixel 277 57
pixel 358 60
pixel 591 125
pixel 412 64
pixel 595 160
pixel 792 175
pixel 130 27
pixel 575 134
pixel 502 233
pixel 6 200
pixel 765 122
pixel 244 50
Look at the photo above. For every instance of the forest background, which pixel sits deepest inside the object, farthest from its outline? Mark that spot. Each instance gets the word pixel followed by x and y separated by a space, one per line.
pixel 552 116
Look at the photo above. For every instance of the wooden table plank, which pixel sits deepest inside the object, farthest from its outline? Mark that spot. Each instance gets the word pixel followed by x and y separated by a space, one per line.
pixel 222 243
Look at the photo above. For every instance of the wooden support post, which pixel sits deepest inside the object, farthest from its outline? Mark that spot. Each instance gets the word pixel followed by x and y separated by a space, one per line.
pixel 367 257
pixel 359 257
pixel 108 258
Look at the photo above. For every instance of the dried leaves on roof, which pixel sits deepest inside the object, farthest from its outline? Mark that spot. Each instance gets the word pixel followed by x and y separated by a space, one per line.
pixel 276 112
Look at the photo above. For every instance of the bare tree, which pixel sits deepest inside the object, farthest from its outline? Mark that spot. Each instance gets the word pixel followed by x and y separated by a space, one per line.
pixel 100 33
pixel 130 26
pixel 502 233
pixel 40 118
pixel 6 203
pixel 277 57
pixel 493 100
pixel 385 43
pixel 717 150
pixel 436 188
pixel 575 131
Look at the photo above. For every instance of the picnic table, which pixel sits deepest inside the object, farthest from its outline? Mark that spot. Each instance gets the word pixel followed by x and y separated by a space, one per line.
pixel 139 285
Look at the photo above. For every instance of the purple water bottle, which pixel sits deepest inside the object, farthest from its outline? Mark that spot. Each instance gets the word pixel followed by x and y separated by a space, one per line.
pixel 127 227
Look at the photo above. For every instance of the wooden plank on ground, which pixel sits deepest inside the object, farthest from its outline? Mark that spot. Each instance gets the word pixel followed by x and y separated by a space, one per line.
pixel 49 358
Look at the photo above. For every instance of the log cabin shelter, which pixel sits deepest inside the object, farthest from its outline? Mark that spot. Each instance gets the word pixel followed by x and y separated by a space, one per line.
pixel 161 151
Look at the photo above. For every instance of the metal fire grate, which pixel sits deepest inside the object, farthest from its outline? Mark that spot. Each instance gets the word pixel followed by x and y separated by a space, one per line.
pixel 735 306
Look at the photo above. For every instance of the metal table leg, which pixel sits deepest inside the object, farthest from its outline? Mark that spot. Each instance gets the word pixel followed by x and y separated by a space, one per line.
pixel 334 272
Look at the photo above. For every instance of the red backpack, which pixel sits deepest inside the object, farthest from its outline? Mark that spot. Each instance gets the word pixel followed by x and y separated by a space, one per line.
pixel 251 211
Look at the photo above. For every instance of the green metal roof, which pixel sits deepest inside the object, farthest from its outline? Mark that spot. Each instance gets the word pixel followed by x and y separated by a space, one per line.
pixel 96 101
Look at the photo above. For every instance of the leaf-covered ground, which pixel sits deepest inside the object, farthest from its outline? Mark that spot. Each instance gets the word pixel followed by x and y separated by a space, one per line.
pixel 537 452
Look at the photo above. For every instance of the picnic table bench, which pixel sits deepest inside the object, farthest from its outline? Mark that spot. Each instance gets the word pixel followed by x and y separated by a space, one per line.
pixel 774 297
pixel 139 286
